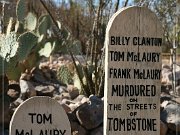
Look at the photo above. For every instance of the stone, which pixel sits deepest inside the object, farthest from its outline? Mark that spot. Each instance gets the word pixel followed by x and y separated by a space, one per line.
pixel 84 100
pixel 165 98
pixel 168 77
pixel 90 115
pixel 65 95
pixel 25 76
pixel 74 106
pixel 37 75
pixel 27 89
pixel 14 91
pixel 164 104
pixel 62 89
pixel 67 101
pixel 97 131
pixel 66 108
pixel 163 128
pixel 79 98
pixel 171 116
pixel 73 91
pixel 95 100
pixel 165 66
pixel 165 88
pixel 15 104
pixel 77 129
pixel 45 90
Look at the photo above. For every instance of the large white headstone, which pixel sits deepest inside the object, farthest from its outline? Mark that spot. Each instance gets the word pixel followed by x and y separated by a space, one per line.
pixel 40 116
pixel 133 73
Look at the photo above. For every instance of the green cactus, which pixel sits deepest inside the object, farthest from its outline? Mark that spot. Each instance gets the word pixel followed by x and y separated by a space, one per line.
pixel 44 24
pixel 21 10
pixel 46 50
pixel 26 42
pixel 30 22
pixel 64 75
pixel 8 45
pixel 13 71
pixel 8 30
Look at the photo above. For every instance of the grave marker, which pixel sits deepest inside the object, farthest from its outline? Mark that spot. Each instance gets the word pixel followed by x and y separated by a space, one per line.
pixel 40 116
pixel 133 73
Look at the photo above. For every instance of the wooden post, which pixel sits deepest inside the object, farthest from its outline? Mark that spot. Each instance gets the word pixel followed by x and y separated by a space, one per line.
pixel 133 73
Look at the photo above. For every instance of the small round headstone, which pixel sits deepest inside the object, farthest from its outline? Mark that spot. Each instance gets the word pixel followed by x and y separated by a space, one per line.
pixel 40 116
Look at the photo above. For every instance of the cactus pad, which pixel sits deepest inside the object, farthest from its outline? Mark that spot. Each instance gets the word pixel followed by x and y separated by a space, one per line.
pixel 26 42
pixel 30 21
pixel 21 10
pixel 44 24
pixel 64 75
pixel 8 46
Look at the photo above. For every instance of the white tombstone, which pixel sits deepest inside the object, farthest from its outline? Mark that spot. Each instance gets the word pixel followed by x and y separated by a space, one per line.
pixel 40 116
pixel 132 73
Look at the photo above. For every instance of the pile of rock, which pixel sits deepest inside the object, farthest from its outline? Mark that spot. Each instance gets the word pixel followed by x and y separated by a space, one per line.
pixel 86 113
pixel 170 102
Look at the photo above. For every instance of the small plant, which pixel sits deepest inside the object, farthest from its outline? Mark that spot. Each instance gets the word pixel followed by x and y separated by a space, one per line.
pixel 19 48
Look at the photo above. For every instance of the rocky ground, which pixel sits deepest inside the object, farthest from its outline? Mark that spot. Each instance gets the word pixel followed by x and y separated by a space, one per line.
pixel 42 81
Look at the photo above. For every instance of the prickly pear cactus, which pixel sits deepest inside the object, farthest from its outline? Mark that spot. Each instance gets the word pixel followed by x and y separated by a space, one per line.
pixel 8 30
pixel 13 71
pixel 26 42
pixel 44 24
pixel 47 49
pixel 64 75
pixel 8 46
pixel 21 9
pixel 30 22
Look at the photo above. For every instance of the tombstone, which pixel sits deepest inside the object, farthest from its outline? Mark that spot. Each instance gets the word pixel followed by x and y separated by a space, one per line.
pixel 40 116
pixel 132 73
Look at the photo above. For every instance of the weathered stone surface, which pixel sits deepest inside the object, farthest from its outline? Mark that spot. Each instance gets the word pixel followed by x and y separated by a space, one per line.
pixel 167 76
pixel 65 95
pixel 73 91
pixel 45 90
pixel 77 129
pixel 165 98
pixel 166 88
pixel 14 91
pixel 66 108
pixel 171 116
pixel 67 101
pixel 37 75
pixel 97 131
pixel 84 100
pixel 79 98
pixel 95 100
pixel 27 89
pixel 74 106
pixel 90 115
